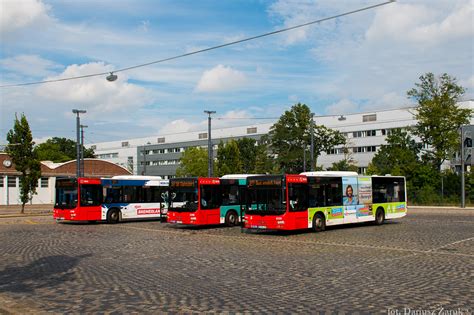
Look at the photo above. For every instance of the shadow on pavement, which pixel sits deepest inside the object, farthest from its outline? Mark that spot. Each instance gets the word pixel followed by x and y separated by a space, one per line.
pixel 44 272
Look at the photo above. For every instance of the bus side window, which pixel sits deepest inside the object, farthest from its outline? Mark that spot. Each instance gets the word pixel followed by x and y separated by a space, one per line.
pixel 210 196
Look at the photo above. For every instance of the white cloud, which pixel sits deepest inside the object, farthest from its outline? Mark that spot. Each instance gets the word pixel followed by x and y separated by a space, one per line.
pixel 145 25
pixel 468 83
pixel 388 100
pixel 17 14
pixel 374 57
pixel 233 118
pixel 221 79
pixel 293 98
pixel 30 65
pixel 295 12
pixel 176 126
pixel 344 106
pixel 421 24
pixel 166 74
pixel 95 93
pixel 228 119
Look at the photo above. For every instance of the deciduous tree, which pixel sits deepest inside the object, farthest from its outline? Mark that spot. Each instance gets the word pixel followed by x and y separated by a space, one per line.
pixel 20 148
pixel 343 165
pixel 60 150
pixel 438 115
pixel 228 158
pixel 291 134
pixel 248 154
pixel 400 156
pixel 193 162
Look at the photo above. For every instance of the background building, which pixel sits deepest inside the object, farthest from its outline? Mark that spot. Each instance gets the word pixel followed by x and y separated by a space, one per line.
pixel 159 155
pixel 9 177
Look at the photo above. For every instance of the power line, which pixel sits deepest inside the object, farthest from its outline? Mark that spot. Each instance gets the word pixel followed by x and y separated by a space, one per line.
pixel 205 49
pixel 246 118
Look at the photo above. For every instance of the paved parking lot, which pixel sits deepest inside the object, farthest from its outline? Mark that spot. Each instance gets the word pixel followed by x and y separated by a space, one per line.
pixel 421 262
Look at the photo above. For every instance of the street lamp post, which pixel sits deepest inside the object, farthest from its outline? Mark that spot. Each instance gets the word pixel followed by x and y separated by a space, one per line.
pixel 209 143
pixel 304 157
pixel 312 141
pixel 144 161
pixel 463 192
pixel 78 140
pixel 82 149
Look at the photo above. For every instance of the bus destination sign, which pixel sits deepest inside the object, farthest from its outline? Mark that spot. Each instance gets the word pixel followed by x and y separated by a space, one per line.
pixel 183 183
pixel 265 182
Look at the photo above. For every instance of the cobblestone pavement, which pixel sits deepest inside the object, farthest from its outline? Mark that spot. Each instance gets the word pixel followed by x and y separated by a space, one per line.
pixel 421 262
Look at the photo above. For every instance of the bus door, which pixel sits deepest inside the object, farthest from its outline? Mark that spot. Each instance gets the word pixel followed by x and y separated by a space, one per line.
pixel 90 199
pixel 209 202
pixel 297 196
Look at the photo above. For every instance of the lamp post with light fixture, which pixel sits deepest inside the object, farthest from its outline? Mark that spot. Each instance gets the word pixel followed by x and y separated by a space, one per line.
pixel 82 149
pixel 312 141
pixel 209 143
pixel 78 140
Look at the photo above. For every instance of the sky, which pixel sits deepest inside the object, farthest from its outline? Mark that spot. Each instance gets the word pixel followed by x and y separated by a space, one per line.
pixel 358 63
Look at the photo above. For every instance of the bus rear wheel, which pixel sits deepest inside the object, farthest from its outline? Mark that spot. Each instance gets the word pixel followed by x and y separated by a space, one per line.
pixel 319 222
pixel 113 216
pixel 379 216
pixel 231 218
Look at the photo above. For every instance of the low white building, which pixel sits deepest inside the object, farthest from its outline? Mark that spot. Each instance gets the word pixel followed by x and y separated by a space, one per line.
pixel 45 192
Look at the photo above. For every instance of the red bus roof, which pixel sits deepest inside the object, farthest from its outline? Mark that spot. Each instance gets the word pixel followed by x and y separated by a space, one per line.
pixel 90 181
pixel 296 179
pixel 209 181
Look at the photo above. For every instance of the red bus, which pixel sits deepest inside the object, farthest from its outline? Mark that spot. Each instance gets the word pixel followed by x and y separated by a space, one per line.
pixel 277 202
pixel 111 199
pixel 89 193
pixel 319 199
pixel 194 201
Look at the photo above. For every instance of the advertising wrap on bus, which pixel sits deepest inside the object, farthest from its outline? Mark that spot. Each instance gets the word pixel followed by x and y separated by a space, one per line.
pixel 321 199
pixel 111 199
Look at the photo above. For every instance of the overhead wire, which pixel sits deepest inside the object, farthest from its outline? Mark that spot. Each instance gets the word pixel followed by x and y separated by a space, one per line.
pixel 203 50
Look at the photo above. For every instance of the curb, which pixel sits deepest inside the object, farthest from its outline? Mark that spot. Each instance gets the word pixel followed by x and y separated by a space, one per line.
pixel 439 208
pixel 5 216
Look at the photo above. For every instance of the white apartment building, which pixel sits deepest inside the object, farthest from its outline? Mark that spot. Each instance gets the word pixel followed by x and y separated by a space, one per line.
pixel 159 155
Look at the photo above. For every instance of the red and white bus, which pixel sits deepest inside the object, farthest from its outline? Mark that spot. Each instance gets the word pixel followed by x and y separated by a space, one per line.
pixel 319 199
pixel 111 199
pixel 194 201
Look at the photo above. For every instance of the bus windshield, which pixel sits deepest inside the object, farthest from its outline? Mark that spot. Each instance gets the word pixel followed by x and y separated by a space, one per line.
pixel 183 195
pixel 66 193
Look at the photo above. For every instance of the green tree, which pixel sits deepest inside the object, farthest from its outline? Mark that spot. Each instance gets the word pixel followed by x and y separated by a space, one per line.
pixel 264 162
pixel 20 148
pixel 346 164
pixel 398 157
pixel 193 162
pixel 343 165
pixel 401 156
pixel 438 115
pixel 228 158
pixel 291 134
pixel 248 154
pixel 60 150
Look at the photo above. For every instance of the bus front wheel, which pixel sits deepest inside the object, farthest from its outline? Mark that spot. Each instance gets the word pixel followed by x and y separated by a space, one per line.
pixel 231 218
pixel 319 222
pixel 113 216
pixel 379 216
